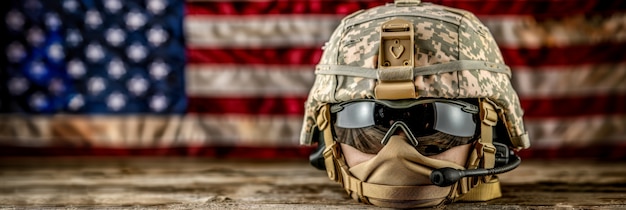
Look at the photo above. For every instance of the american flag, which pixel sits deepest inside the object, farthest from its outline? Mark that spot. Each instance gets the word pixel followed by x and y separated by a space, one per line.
pixel 229 78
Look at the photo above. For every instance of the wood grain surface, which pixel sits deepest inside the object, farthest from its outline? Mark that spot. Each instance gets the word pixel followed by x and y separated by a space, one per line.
pixel 197 183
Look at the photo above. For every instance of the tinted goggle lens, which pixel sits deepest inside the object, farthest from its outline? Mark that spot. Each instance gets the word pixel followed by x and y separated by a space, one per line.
pixel 450 117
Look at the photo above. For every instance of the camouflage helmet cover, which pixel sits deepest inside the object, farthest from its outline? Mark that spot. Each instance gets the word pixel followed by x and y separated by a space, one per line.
pixel 455 56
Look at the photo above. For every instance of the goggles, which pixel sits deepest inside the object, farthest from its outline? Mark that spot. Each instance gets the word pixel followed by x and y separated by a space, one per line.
pixel 417 118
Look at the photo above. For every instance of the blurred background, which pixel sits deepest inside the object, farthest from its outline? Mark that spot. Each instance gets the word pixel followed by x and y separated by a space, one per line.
pixel 222 78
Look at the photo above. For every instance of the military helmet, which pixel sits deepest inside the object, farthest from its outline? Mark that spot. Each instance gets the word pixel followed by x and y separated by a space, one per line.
pixel 411 49
pixel 411 54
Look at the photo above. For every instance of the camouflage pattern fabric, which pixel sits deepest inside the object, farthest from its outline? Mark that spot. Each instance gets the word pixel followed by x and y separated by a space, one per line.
pixel 442 36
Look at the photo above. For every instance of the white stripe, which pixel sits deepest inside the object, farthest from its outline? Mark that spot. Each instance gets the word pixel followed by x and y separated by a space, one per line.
pixel 249 130
pixel 570 80
pixel 527 32
pixel 249 80
pixel 212 31
pixel 208 31
pixel 262 80
pixel 150 131
pixel 577 132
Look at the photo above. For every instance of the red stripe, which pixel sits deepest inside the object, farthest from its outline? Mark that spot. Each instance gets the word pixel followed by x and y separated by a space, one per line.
pixel 536 8
pixel 251 106
pixel 276 56
pixel 613 151
pixel 600 152
pixel 564 56
pixel 552 56
pixel 293 152
pixel 600 104
pixel 605 104
pixel 278 7
pixel 539 9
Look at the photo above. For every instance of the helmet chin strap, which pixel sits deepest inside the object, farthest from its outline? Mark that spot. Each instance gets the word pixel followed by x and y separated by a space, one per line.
pixel 481 188
pixel 397 177
pixel 367 182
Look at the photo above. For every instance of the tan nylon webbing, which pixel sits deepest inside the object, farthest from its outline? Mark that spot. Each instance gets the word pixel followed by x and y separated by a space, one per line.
pixel 483 155
pixel 337 171
pixel 385 191
pixel 489 120
pixel 484 191
pixel 331 150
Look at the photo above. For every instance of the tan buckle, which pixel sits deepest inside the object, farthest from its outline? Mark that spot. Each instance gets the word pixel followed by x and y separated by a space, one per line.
pixel 396 60
pixel 329 161
pixel 323 118
pixel 489 115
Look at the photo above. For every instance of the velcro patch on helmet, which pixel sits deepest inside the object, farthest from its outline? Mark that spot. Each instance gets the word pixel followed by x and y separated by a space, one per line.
pixel 396 60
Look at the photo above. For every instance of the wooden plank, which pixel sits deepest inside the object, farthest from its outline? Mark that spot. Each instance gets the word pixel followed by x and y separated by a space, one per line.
pixel 183 183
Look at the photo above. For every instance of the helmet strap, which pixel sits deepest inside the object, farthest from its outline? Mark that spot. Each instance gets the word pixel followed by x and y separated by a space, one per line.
pixel 467 189
pixel 338 171
pixel 482 156
pixel 332 154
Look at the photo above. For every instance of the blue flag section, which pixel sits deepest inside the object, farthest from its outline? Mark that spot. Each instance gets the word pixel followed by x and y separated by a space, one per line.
pixel 95 57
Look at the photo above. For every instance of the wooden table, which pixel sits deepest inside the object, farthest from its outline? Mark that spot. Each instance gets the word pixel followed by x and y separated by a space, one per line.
pixel 204 183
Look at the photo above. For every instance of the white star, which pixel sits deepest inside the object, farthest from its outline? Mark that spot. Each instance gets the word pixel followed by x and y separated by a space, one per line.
pixel 53 21
pixel 137 85
pixel 116 101
pixel 76 102
pixel 38 68
pixel 76 68
pixel 135 20
pixel 115 36
pixel 17 85
pixel 15 20
pixel 158 102
pixel 93 19
pixel 136 52
pixel 113 6
pixel 55 51
pixel 158 69
pixel 35 36
pixel 70 5
pixel 15 52
pixel 156 36
pixel 156 6
pixel 116 68
pixel 94 52
pixel 38 101
pixel 96 85
pixel 74 38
